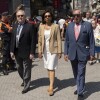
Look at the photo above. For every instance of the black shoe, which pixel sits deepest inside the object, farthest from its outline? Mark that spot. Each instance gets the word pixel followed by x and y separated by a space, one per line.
pixel 22 84
pixel 75 92
pixel 80 97
pixel 5 72
pixel 25 91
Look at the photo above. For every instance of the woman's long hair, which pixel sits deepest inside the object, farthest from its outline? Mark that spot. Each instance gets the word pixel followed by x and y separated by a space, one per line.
pixel 52 16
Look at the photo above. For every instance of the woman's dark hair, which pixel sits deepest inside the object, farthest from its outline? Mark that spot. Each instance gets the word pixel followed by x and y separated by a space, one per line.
pixel 98 18
pixel 0 16
pixel 47 11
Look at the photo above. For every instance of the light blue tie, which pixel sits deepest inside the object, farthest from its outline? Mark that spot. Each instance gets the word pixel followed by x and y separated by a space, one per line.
pixel 17 38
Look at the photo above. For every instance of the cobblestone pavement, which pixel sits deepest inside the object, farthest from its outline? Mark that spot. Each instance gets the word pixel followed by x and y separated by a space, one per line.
pixel 10 88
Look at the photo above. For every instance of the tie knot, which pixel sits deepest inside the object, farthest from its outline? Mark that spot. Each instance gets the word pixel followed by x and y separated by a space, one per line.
pixel 77 24
pixel 19 24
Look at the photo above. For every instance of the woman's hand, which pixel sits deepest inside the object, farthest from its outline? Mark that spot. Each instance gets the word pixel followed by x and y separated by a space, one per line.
pixel 59 55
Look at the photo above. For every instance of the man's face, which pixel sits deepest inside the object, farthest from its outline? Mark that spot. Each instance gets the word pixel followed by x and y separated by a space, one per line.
pixel 77 16
pixel 47 17
pixel 93 24
pixel 88 15
pixel 20 15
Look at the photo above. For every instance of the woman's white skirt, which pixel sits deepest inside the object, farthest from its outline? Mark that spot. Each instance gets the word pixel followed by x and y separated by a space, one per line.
pixel 50 60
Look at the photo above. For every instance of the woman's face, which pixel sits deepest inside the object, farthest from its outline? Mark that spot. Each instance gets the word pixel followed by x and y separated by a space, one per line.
pixel 94 24
pixel 98 20
pixel 47 17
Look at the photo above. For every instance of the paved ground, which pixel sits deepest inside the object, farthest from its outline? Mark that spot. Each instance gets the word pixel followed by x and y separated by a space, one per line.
pixel 10 88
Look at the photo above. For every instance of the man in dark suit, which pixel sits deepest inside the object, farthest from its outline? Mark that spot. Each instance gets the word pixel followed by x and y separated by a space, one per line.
pixel 23 47
pixel 79 47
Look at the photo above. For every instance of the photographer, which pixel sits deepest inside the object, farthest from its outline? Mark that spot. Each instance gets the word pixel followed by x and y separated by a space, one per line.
pixel 5 34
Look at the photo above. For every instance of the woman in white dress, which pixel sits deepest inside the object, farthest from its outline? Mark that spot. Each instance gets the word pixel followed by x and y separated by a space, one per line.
pixel 96 30
pixel 49 46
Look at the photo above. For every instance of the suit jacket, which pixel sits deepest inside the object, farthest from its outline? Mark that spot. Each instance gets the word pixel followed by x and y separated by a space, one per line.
pixel 26 41
pixel 83 47
pixel 55 45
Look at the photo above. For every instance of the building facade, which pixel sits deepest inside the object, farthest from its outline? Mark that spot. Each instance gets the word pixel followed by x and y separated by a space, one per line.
pixel 58 7
pixel 4 5
pixel 37 7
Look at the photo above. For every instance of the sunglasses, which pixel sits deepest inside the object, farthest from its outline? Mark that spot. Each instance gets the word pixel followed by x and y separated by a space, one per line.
pixel 47 16
pixel 78 15
pixel 98 20
pixel 20 15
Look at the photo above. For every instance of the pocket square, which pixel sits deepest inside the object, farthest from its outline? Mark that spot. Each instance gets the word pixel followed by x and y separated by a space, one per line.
pixel 87 47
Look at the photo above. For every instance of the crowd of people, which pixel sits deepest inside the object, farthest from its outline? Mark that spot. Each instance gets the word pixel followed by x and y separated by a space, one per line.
pixel 18 44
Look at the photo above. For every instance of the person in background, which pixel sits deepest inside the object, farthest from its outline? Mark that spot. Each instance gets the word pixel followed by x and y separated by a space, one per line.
pixel 49 45
pixel 88 17
pixel 67 21
pixel 11 63
pixel 94 17
pixel 0 45
pixel 96 30
pixel 37 24
pixel 61 23
pixel 0 17
pixel 5 35
pixel 65 25
pixel 79 48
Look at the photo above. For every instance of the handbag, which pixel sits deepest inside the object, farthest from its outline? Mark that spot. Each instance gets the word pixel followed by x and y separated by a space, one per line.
pixel 97 40
pixel 97 36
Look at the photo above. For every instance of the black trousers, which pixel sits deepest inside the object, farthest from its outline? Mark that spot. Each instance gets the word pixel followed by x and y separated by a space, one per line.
pixel 24 66
pixel 5 53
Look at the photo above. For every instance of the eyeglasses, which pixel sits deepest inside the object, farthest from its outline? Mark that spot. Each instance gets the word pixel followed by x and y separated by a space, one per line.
pixel 78 15
pixel 47 16
pixel 20 15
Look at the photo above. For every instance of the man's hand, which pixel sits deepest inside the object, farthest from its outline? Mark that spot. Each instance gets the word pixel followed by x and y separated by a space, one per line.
pixel 31 56
pixel 12 55
pixel 66 57
pixel 40 55
pixel 92 58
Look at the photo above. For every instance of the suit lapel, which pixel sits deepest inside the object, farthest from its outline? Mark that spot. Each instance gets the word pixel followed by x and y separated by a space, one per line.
pixel 14 34
pixel 15 30
pixel 23 31
pixel 51 33
pixel 73 31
